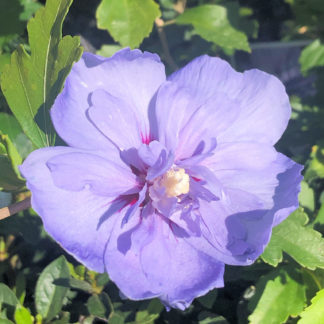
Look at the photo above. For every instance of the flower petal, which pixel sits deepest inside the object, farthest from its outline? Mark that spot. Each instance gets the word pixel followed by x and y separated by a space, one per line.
pixel 263 99
pixel 131 75
pixel 174 106
pixel 239 225
pixel 166 254
pixel 61 210
pixel 152 261
pixel 77 171
pixel 115 119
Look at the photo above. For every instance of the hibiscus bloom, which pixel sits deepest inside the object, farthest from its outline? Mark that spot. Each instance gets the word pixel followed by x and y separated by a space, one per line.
pixel 164 180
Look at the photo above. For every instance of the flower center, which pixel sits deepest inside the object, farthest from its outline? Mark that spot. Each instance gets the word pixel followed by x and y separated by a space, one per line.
pixel 175 181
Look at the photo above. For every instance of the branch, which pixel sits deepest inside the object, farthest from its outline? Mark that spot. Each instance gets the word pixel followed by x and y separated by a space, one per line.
pixel 168 58
pixel 14 208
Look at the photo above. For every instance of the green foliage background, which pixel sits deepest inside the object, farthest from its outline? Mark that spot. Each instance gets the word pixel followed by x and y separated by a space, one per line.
pixel 39 282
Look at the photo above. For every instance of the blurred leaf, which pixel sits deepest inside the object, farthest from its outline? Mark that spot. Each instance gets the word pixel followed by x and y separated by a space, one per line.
pixel 209 299
pixel 108 50
pixel 10 179
pixel 151 313
pixel 307 197
pixel 314 314
pixel 312 56
pixel 10 126
pixel 49 296
pixel 128 21
pixel 315 167
pixel 211 23
pixel 320 216
pixel 4 59
pixel 20 287
pixel 32 82
pixel 10 24
pixel 80 285
pixel 210 318
pixel 30 7
pixel 98 305
pixel 8 300
pixel 23 316
pixel 302 243
pixel 279 295
pixel 239 18
pixel 7 296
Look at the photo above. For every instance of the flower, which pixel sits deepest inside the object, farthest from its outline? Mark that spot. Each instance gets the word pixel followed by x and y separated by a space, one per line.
pixel 164 180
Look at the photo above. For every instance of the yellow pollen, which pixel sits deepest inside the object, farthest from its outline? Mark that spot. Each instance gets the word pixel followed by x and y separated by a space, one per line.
pixel 176 182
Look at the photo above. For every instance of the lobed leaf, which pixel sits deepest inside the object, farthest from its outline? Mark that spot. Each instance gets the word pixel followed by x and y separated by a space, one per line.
pixel 302 243
pixel 128 21
pixel 314 314
pixel 279 295
pixel 31 82
pixel 211 23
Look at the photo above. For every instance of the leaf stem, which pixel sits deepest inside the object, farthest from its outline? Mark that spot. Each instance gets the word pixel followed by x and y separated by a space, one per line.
pixel 164 42
pixel 14 208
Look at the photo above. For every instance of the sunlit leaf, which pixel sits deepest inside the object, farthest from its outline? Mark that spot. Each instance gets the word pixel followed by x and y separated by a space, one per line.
pixel 279 295
pixel 314 314
pixel 32 82
pixel 23 316
pixel 301 242
pixel 312 56
pixel 211 23
pixel 128 21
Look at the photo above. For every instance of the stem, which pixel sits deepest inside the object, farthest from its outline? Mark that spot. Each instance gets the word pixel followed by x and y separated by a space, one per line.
pixel 14 208
pixel 168 58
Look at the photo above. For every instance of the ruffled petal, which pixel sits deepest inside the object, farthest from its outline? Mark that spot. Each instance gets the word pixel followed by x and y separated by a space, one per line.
pixel 239 224
pixel 151 263
pixel 132 76
pixel 89 215
pixel 263 99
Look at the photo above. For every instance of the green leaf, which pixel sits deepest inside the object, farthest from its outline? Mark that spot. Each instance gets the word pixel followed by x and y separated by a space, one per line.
pixel 10 126
pixel 49 295
pixel 315 167
pixel 128 21
pixel 7 296
pixel 8 299
pixel 302 243
pixel 312 56
pixel 307 197
pixel 10 179
pixel 211 23
pixel 4 60
pixel 314 314
pixel 80 285
pixel 209 299
pixel 150 313
pixel 278 296
pixel 32 82
pixel 23 316
pixel 108 50
pixel 99 305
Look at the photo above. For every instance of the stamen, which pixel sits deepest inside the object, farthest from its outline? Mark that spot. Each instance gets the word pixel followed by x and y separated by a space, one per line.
pixel 176 182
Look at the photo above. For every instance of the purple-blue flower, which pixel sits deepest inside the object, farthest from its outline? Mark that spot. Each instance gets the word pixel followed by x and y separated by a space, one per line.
pixel 164 179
